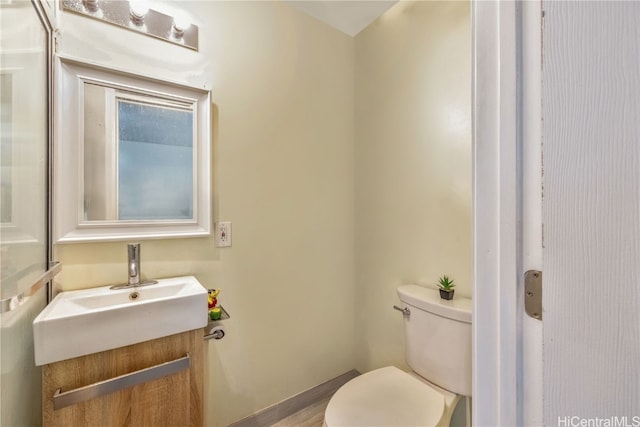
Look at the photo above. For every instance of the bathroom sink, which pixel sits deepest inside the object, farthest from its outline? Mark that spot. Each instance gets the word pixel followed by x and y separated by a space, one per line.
pixel 88 321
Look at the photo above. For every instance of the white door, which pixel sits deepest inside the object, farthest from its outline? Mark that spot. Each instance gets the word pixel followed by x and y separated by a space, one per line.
pixel 581 365
pixel 591 213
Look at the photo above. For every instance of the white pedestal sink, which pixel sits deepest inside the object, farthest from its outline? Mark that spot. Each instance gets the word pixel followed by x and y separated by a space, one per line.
pixel 88 321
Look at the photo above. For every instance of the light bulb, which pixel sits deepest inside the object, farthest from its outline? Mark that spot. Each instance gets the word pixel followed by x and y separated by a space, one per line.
pixel 90 5
pixel 137 10
pixel 180 23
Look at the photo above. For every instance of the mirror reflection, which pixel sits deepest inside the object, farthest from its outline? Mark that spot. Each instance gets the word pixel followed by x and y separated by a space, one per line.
pixel 138 156
pixel 6 187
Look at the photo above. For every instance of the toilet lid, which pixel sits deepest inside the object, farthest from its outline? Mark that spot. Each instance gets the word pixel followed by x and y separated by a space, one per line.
pixel 385 397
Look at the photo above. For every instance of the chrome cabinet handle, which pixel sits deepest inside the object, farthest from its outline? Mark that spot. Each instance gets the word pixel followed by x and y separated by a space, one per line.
pixel 405 311
pixel 63 399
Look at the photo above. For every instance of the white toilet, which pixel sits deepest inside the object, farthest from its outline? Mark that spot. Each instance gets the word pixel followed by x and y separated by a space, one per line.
pixel 438 350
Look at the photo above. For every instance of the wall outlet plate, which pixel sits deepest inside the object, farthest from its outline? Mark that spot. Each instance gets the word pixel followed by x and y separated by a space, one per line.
pixel 223 234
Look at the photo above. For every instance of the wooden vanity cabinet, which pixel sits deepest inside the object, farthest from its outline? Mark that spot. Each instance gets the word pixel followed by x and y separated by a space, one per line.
pixel 173 400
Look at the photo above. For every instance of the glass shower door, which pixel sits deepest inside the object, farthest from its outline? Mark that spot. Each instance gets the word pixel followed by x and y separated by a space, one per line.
pixel 24 241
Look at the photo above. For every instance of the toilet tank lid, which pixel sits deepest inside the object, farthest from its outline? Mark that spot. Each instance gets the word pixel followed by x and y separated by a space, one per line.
pixel 459 308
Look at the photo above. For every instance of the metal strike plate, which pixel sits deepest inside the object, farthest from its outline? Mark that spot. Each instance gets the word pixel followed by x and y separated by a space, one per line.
pixel 533 293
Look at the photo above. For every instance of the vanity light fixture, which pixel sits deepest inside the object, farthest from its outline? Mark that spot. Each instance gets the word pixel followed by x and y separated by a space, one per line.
pixel 136 15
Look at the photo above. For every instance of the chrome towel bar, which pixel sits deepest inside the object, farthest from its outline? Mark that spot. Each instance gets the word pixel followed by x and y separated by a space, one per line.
pixel 63 399
pixel 11 303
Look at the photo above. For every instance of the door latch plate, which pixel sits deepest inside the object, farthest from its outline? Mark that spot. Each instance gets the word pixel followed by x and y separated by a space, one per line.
pixel 533 293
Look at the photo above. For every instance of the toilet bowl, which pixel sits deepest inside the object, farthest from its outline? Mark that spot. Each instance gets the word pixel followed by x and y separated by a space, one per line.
pixel 389 397
pixel 438 350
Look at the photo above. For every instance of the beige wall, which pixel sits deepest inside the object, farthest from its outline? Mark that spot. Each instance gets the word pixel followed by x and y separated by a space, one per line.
pixel 308 249
pixel 412 164
pixel 283 156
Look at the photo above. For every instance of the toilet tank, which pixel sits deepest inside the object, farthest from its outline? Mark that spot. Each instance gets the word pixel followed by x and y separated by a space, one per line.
pixel 438 337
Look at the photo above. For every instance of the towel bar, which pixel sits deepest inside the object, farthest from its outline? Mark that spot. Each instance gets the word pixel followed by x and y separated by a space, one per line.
pixel 11 303
pixel 63 399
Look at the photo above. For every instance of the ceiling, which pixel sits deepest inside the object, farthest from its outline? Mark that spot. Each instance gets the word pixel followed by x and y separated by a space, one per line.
pixel 348 16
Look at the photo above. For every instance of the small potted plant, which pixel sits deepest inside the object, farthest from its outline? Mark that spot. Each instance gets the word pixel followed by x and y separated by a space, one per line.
pixel 446 286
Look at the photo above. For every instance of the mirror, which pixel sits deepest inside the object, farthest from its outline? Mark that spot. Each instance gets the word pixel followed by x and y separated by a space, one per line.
pixel 133 158
pixel 140 165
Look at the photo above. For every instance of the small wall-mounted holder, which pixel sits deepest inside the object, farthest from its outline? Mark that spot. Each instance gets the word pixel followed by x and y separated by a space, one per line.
pixel 135 15
pixel 214 328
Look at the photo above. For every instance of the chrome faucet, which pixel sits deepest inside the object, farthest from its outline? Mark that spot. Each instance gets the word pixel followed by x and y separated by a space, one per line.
pixel 134 264
pixel 133 269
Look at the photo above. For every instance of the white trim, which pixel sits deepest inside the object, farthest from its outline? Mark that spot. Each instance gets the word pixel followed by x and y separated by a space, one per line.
pixel 496 373
pixel 531 75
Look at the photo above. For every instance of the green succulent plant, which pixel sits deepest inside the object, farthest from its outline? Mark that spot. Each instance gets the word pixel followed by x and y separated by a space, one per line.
pixel 446 283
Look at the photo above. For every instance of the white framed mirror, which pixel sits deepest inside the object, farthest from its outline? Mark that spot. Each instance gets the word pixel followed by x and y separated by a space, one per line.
pixel 132 157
